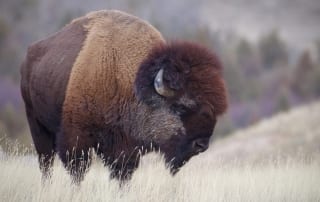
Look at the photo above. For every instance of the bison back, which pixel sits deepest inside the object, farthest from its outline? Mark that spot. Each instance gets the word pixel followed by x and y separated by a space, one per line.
pixel 46 70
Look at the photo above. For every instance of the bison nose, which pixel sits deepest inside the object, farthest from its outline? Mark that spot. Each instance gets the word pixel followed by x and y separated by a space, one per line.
pixel 200 145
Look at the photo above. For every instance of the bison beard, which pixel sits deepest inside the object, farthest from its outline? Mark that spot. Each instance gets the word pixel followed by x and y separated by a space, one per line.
pixel 108 83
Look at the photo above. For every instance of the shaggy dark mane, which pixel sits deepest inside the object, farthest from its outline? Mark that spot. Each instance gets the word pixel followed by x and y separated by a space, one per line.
pixel 188 69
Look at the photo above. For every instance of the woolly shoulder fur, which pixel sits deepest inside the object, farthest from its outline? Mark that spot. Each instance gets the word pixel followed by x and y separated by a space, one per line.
pixel 104 71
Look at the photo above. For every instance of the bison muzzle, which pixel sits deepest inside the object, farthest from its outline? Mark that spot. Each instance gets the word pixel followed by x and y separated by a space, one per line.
pixel 109 83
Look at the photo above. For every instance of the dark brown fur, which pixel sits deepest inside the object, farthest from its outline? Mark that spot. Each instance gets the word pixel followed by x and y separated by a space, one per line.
pixel 78 102
pixel 191 71
pixel 42 93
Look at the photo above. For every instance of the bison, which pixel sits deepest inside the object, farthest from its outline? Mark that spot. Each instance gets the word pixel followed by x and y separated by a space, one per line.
pixel 109 83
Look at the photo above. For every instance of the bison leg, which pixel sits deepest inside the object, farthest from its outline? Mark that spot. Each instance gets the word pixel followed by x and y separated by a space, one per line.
pixel 123 167
pixel 77 163
pixel 44 143
pixel 76 159
pixel 80 165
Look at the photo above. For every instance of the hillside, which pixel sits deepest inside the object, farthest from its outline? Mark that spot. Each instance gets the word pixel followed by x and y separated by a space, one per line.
pixel 290 134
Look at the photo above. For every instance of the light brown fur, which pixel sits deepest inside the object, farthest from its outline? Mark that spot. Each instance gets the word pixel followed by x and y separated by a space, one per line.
pixel 104 71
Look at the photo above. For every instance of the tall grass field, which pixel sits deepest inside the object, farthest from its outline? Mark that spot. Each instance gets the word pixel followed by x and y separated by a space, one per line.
pixel 275 160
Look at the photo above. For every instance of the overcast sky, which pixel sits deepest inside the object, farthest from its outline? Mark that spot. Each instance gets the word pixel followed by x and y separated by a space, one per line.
pixel 298 21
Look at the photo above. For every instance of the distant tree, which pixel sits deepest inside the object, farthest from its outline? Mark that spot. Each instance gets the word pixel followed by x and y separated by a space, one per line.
pixel 305 63
pixel 316 81
pixel 304 77
pixel 4 30
pixel 9 66
pixel 68 16
pixel 234 77
pixel 247 58
pixel 282 100
pixel 273 50
pixel 244 51
pixel 317 44
pixel 12 120
pixel 202 35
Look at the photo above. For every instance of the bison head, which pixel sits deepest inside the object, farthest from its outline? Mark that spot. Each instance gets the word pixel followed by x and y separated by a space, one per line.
pixel 181 86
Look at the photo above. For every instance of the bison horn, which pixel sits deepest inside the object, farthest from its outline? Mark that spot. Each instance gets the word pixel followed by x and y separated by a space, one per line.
pixel 160 87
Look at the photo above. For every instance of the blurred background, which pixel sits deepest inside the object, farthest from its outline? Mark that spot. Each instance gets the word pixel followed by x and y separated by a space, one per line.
pixel 270 49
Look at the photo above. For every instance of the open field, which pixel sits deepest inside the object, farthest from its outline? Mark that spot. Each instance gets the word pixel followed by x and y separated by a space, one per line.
pixel 290 181
pixel 276 160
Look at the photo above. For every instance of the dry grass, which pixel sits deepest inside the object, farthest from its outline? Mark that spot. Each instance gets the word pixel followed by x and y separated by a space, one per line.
pixel 207 177
pixel 289 134
pixel 287 181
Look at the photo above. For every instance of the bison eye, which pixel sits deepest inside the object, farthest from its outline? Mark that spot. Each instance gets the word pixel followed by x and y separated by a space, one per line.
pixel 207 115
pixel 180 109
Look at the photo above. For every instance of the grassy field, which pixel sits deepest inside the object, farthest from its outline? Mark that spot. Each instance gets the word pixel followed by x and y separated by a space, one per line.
pixel 287 181
pixel 229 171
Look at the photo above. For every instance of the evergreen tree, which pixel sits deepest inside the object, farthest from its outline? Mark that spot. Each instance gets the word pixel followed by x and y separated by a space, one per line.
pixel 273 50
